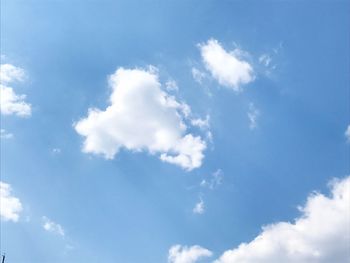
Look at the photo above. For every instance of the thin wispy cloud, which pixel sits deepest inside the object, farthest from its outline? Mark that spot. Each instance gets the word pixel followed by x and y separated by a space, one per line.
pixel 52 227
pixel 171 85
pixel 265 59
pixel 201 123
pixel 5 135
pixel 347 134
pixel 214 181
pixel 253 115
pixel 198 75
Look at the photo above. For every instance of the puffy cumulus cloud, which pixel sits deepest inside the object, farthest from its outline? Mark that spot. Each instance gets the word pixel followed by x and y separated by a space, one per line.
pixel 228 68
pixel 347 133
pixel 183 254
pixel 10 206
pixel 141 116
pixel 10 73
pixel 52 227
pixel 320 235
pixel 10 102
pixel 188 152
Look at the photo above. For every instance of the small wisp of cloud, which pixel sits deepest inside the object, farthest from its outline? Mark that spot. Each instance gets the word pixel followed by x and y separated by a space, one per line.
pixel 265 59
pixel 203 124
pixel 52 227
pixel 215 180
pixel 5 135
pixel 198 75
pixel 347 134
pixel 56 151
pixel 253 115
pixel 171 85
pixel 199 208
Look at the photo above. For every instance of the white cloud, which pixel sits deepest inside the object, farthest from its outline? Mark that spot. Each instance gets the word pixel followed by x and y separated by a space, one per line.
pixel 199 208
pixel 228 68
pixel 265 59
pixel 201 123
pixel 214 181
pixel 171 85
pixel 320 235
pixel 10 73
pixel 347 133
pixel 141 117
pixel 52 227
pixel 253 115
pixel 10 205
pixel 198 75
pixel 188 152
pixel 10 102
pixel 56 150
pixel 5 135
pixel 184 254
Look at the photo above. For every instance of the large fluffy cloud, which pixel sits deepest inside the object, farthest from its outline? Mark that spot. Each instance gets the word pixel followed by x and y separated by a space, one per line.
pixel 142 116
pixel 183 254
pixel 10 206
pixel 320 235
pixel 10 102
pixel 228 68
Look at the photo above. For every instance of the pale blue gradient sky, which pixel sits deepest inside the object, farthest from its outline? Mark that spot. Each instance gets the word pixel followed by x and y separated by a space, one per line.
pixel 133 208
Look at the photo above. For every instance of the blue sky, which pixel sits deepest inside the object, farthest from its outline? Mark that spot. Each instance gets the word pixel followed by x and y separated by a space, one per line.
pixel 266 81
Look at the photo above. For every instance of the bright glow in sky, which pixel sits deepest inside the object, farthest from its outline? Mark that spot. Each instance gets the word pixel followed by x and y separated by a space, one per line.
pixel 175 131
